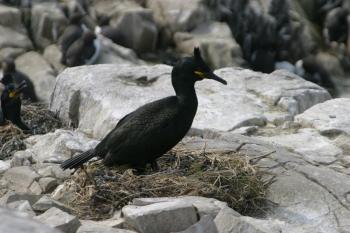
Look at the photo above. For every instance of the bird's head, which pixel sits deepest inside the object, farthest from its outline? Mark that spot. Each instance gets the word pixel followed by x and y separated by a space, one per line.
pixel 89 37
pixel 194 69
pixel 15 91
pixel 8 65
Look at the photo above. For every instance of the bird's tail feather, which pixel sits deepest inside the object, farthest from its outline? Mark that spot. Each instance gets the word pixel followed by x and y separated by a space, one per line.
pixel 78 160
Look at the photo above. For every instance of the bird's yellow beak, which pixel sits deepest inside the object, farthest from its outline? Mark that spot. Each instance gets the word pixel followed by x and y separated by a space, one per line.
pixel 200 74
pixel 210 75
pixel 12 94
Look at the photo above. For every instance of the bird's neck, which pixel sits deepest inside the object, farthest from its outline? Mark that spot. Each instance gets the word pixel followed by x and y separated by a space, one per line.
pixel 187 95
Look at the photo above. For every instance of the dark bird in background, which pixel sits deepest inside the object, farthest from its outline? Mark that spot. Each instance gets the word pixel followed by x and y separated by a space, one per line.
pixel 11 101
pixel 83 51
pixel 9 67
pixel 150 131
pixel 71 33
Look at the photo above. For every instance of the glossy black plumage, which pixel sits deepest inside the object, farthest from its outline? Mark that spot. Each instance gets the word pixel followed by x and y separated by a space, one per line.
pixel 71 33
pixel 11 105
pixel 151 130
pixel 81 50
pixel 17 77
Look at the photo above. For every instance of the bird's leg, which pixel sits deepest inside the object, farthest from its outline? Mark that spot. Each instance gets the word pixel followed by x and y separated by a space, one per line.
pixel 154 165
pixel 88 177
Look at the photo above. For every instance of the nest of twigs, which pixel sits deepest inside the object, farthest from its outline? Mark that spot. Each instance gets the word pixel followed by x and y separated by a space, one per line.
pixel 37 117
pixel 228 177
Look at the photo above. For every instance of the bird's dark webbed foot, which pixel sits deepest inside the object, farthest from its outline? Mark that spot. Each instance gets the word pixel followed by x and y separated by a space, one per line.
pixel 154 165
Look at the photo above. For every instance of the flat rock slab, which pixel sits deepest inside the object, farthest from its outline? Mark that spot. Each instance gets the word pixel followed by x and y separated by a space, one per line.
pixel 60 220
pixel 95 227
pixel 161 217
pixel 95 98
pixel 21 179
pixel 330 117
pixel 14 223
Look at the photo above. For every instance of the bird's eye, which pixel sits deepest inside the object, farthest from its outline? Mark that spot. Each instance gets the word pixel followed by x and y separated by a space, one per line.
pixel 200 74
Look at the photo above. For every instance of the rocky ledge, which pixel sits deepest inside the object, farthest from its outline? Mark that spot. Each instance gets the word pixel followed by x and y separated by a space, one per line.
pixel 289 128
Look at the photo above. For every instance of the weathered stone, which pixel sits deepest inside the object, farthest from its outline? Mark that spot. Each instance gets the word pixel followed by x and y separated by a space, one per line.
pixel 80 92
pixel 96 227
pixel 52 170
pixel 13 39
pixel 22 206
pixel 318 149
pixel 11 196
pixel 215 40
pixel 45 203
pixel 179 15
pixel 12 222
pixel 4 166
pixel 204 206
pixel 48 184
pixel 11 17
pixel 52 55
pixel 160 217
pixel 138 28
pixel 35 188
pixel 56 147
pixel 47 23
pixel 21 158
pixel 205 225
pixel 20 179
pixel 330 117
pixel 11 52
pixel 60 220
pixel 112 53
pixel 39 72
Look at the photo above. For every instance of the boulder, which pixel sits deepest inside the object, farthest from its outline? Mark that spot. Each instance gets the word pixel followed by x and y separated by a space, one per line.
pixel 179 15
pixel 22 206
pixel 52 55
pixel 12 222
pixel 60 220
pixel 95 227
pixel 204 225
pixel 11 17
pixel 56 147
pixel 13 39
pixel 215 40
pixel 96 97
pixel 21 179
pixel 161 217
pixel 40 73
pixel 112 53
pixel 47 23
pixel 138 29
pixel 330 117
pixel 45 203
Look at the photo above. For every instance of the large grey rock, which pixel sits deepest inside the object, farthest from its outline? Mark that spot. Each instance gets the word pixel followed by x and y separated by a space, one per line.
pixel 60 220
pixel 56 147
pixel 330 117
pixel 215 40
pixel 53 55
pixel 318 149
pixel 40 73
pixel 95 227
pixel 204 225
pixel 204 206
pixel 4 166
pixel 11 17
pixel 112 53
pixel 47 23
pixel 179 15
pixel 138 28
pixel 161 217
pixel 21 179
pixel 12 222
pixel 45 203
pixel 13 39
pixel 22 206
pixel 96 97
pixel 12 196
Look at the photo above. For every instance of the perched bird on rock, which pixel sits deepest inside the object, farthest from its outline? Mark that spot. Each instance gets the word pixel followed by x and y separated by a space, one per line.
pixel 71 33
pixel 11 102
pixel 83 51
pixel 147 133
pixel 9 67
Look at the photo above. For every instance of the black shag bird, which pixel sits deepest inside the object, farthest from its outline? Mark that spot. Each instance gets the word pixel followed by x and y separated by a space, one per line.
pixel 71 33
pixel 11 102
pixel 17 77
pixel 82 51
pixel 150 131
